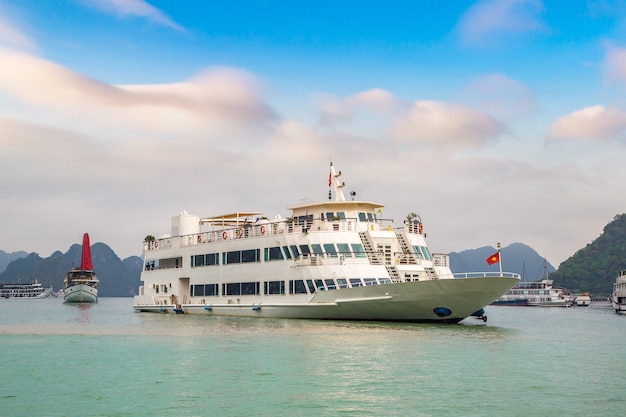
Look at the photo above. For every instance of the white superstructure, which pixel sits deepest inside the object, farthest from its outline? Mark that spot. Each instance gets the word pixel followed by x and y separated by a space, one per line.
pixel 619 293
pixel 335 259
pixel 539 293
pixel 32 290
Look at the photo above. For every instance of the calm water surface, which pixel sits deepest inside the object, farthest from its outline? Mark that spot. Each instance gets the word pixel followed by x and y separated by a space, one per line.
pixel 106 360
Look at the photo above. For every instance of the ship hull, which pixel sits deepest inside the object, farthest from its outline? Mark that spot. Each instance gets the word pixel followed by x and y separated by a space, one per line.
pixel 453 299
pixel 80 293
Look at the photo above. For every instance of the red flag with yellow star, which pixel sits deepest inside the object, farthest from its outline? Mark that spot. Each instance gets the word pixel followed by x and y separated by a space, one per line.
pixel 494 258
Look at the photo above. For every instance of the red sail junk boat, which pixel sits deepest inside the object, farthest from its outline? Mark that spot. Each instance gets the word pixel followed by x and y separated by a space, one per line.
pixel 81 284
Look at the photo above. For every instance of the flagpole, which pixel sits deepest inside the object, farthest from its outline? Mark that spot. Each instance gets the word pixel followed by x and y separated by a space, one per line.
pixel 500 257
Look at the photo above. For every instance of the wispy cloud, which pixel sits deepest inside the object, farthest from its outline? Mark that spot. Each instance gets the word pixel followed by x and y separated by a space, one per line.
pixel 437 124
pixel 615 65
pixel 139 8
pixel 14 37
pixel 217 100
pixel 488 19
pixel 595 123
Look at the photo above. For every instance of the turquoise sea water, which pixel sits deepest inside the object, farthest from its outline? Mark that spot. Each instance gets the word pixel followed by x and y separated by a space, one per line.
pixel 106 360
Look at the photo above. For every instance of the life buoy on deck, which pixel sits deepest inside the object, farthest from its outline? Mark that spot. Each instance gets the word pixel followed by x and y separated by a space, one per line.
pixel 262 229
pixel 420 228
pixel 224 235
pixel 156 244
pixel 199 239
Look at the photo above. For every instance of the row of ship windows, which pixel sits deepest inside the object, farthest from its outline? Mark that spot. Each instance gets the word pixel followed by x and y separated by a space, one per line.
pixel 297 286
pixel 278 253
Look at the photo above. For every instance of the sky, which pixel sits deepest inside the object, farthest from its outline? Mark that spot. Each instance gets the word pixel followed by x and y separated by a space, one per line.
pixel 493 120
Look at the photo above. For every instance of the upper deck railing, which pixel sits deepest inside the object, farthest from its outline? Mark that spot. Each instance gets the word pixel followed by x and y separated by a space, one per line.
pixel 268 228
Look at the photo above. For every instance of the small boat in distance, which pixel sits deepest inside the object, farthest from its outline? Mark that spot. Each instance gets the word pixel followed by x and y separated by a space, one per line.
pixel 583 300
pixel 32 290
pixel 539 293
pixel 81 284
pixel 619 293
pixel 337 260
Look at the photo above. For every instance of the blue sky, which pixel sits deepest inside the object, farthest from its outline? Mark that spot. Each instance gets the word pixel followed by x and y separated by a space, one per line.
pixel 494 120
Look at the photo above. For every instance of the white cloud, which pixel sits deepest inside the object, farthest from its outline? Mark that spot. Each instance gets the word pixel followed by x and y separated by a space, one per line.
pixel 615 65
pixel 138 8
pixel 213 102
pixel 595 123
pixel 500 96
pixel 14 37
pixel 487 20
pixel 445 125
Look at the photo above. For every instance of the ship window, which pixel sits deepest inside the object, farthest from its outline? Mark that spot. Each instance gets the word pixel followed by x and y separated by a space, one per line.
pixel 317 248
pixel 305 250
pixel 197 290
pixel 233 257
pixel 342 282
pixel 329 248
pixel 294 251
pixel 251 255
pixel 320 285
pixel 330 284
pixel 330 216
pixel 341 215
pixel 427 254
pixel 273 254
pixel 211 259
pixel 357 248
pixel 233 289
pixel 210 289
pixel 370 281
pixel 250 288
pixel 355 282
pixel 275 287
pixel 287 253
pixel 297 287
pixel 198 260
pixel 344 249
pixel 309 284
pixel 384 280
pixel 362 217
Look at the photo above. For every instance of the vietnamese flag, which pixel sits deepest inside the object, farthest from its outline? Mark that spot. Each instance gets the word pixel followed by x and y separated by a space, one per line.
pixel 494 258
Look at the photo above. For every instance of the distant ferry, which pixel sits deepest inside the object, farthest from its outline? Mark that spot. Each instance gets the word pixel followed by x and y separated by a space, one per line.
pixel 32 290
pixel 539 293
pixel 334 259
pixel 619 293
pixel 81 284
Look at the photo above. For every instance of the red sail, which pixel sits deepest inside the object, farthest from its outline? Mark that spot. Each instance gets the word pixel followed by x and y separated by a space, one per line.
pixel 85 263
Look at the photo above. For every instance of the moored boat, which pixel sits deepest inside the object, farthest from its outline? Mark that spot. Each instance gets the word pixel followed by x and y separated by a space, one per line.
pixel 32 290
pixel 582 300
pixel 81 284
pixel 335 259
pixel 618 297
pixel 539 293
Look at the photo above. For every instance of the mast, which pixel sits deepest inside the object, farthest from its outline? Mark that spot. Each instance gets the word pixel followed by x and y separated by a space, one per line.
pixel 334 182
pixel 85 262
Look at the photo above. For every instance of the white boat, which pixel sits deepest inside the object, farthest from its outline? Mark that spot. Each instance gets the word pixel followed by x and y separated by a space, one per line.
pixel 334 259
pixel 539 293
pixel 582 300
pixel 619 293
pixel 81 284
pixel 32 290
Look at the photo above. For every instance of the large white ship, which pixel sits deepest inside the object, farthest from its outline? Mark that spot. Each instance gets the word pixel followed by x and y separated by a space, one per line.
pixel 330 260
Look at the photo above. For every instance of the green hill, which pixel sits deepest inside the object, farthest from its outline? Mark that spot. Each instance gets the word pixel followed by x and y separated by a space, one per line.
pixel 594 267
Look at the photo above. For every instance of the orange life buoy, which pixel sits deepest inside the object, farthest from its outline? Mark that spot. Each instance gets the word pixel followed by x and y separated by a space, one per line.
pixel 262 229
pixel 156 244
pixel 421 228
pixel 199 239
pixel 224 235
